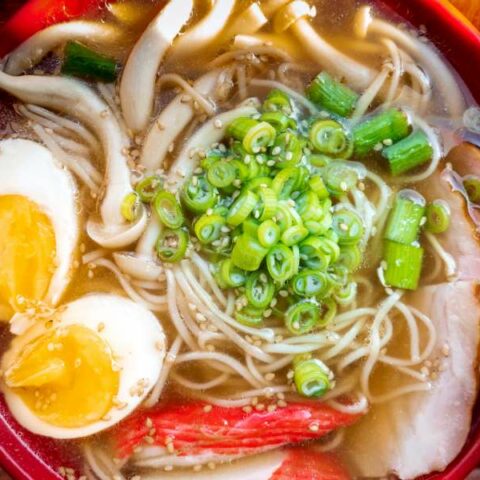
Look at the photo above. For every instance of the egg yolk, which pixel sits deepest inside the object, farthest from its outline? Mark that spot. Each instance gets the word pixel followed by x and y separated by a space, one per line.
pixel 27 254
pixel 67 378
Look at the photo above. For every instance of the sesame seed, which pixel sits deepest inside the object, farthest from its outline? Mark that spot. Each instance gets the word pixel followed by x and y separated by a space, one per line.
pixel 313 427
pixel 218 123
pixel 207 408
pixel 247 409
pixel 445 350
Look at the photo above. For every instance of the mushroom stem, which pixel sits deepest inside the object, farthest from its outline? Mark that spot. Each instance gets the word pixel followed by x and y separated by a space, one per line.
pixel 137 86
pixel 209 133
pixel 76 99
pixel 171 121
pixel 204 32
pixel 32 51
pixel 356 74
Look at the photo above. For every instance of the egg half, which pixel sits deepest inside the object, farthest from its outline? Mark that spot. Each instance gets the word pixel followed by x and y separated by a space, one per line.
pixel 84 369
pixel 38 224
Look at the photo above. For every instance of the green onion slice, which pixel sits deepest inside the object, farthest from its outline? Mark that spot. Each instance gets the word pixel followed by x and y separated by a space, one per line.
pixel 293 235
pixel 168 209
pixel 278 101
pixel 302 317
pixel 241 208
pixel 281 263
pixel 438 216
pixel 221 173
pixel 311 283
pixel 268 233
pixel 330 138
pixel 148 188
pixel 131 207
pixel 231 275
pixel 208 228
pixel 249 316
pixel 198 194
pixel 172 245
pixel 248 253
pixel 312 378
pixel 348 225
pixel 259 289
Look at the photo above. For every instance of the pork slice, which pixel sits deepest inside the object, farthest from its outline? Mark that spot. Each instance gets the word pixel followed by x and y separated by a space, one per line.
pixel 423 432
pixel 461 240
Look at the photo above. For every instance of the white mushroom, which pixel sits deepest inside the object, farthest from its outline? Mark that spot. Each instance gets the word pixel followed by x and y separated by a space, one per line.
pixel 292 18
pixel 209 133
pixel 204 32
pixel 79 101
pixel 32 51
pixel 142 64
pixel 249 21
pixel 422 52
pixel 171 121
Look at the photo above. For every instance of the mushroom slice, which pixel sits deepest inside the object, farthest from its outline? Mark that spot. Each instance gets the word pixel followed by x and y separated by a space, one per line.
pixel 141 69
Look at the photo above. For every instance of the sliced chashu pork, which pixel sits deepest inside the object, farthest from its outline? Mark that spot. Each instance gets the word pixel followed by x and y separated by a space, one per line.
pixel 423 432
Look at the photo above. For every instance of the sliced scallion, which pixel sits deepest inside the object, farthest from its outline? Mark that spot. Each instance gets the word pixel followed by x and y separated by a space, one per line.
pixel 330 137
pixel 403 265
pixel 438 216
pixel 311 377
pixel 168 209
pixel 302 317
pixel 172 245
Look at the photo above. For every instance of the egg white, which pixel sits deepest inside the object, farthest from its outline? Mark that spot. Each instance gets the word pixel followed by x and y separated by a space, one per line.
pixel 136 340
pixel 29 169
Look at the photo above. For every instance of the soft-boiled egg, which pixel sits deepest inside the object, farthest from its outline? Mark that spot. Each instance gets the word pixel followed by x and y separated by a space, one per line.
pixel 84 369
pixel 38 225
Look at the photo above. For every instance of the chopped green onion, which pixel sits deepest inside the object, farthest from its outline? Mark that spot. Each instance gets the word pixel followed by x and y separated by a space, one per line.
pixel 389 126
pixel 267 204
pixel 212 157
pixel 281 263
pixel 284 216
pixel 409 153
pixel 249 316
pixel 348 225
pixel 332 95
pixel 172 245
pixel 250 227
pixel 329 137
pixel 471 184
pixel 405 217
pixel 285 182
pixel 279 121
pixel 308 206
pixel 242 172
pixel 254 135
pixel 259 182
pixel 317 185
pixel 83 62
pixel 311 283
pixel 168 209
pixel 293 235
pixel 248 253
pixel 198 195
pixel 277 101
pixel 403 265
pixel 314 255
pixel 259 289
pixel 221 173
pixel 268 233
pixel 231 275
pixel 319 227
pixel 438 216
pixel 350 257
pixel 148 188
pixel 241 208
pixel 208 228
pixel 131 207
pixel 302 317
pixel 340 178
pixel 318 160
pixel 288 148
pixel 329 310
pixel 311 377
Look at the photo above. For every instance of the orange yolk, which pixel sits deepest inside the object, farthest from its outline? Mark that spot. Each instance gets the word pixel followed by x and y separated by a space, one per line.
pixel 67 378
pixel 27 254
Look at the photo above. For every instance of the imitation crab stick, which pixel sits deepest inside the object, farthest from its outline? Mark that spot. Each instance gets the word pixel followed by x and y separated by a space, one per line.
pixel 35 15
pixel 197 429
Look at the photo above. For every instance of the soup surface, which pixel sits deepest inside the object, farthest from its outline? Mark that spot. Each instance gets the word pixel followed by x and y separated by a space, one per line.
pixel 239 240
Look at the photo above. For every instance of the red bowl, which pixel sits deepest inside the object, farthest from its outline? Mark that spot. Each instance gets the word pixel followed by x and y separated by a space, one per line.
pixel 29 457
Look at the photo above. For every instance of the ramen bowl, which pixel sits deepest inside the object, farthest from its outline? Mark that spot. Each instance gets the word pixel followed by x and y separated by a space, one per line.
pixel 29 457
